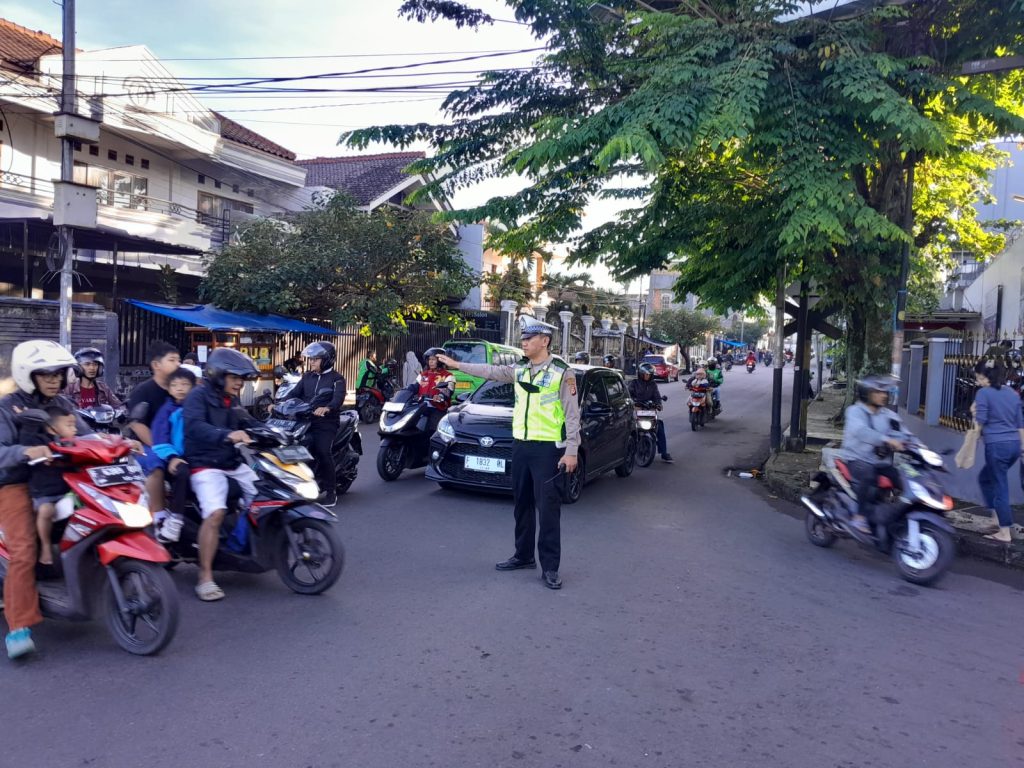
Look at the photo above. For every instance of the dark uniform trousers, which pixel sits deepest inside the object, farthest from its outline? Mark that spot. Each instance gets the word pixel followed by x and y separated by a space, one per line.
pixel 323 430
pixel 534 466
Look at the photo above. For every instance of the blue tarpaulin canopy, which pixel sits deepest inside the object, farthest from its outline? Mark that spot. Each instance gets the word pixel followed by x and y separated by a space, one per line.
pixel 734 343
pixel 217 319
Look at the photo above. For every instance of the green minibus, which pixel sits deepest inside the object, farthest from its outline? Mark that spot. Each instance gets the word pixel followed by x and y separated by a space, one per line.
pixel 478 351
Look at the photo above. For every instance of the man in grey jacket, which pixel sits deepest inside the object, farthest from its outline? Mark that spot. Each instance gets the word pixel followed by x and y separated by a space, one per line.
pixel 868 427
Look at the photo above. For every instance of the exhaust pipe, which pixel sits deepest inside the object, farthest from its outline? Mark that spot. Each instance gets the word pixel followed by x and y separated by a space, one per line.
pixel 815 509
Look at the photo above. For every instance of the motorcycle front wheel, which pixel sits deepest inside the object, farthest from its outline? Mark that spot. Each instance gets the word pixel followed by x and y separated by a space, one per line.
pixel 645 450
pixel 150 618
pixel 390 461
pixel 316 562
pixel 930 563
pixel 369 412
pixel 818 531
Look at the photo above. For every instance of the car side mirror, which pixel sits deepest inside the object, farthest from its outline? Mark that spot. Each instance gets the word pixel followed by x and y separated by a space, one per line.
pixel 463 397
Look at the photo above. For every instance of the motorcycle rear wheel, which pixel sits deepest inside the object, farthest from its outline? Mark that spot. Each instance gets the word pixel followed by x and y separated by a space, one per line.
pixel 645 450
pixel 818 531
pixel 322 556
pixel 152 602
pixel 694 420
pixel 938 550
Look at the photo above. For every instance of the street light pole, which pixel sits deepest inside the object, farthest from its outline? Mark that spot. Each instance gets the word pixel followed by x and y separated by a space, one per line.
pixel 900 311
pixel 65 233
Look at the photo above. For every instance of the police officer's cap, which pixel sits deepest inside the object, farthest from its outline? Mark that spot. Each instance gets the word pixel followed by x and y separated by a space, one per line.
pixel 530 327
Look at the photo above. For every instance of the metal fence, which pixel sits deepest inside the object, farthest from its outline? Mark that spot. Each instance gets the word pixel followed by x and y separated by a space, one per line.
pixel 961 355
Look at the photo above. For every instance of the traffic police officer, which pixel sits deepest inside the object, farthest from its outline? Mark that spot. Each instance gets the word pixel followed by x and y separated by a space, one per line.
pixel 546 428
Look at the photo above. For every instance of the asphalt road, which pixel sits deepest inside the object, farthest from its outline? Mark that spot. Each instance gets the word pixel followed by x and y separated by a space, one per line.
pixel 696 627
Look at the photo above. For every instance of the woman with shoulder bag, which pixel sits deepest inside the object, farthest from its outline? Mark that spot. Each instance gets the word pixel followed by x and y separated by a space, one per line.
pixel 997 410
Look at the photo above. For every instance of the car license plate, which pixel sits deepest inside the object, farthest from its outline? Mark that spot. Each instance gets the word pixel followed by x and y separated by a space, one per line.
pixel 647 414
pixel 463 384
pixel 116 474
pixel 291 454
pixel 485 464
pixel 394 407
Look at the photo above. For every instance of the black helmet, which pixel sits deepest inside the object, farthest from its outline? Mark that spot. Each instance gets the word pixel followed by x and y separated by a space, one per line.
pixel 433 352
pixel 583 358
pixel 608 361
pixel 645 368
pixel 88 355
pixel 712 363
pixel 224 360
pixel 878 382
pixel 322 350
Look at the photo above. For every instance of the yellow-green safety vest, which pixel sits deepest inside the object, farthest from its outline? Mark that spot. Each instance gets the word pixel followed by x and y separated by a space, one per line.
pixel 539 415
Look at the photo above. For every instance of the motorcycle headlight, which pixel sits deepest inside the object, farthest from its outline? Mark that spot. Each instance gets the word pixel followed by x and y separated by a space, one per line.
pixel 920 493
pixel 398 425
pixel 931 457
pixel 132 515
pixel 300 485
pixel 446 430
pixel 308 490
pixel 646 424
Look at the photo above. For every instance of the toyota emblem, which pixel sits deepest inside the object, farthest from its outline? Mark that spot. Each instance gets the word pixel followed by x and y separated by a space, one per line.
pixel 486 442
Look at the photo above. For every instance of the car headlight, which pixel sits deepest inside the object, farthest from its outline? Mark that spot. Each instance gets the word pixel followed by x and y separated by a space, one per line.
pixel 646 424
pixel 446 430
pixel 930 457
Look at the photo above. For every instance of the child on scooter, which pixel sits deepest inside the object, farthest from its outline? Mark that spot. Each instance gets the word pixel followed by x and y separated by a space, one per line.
pixel 169 444
pixel 50 494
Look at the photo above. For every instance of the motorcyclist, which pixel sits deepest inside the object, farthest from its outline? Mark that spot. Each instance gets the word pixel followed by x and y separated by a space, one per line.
pixel 581 358
pixel 87 389
pixel 214 424
pixel 643 389
pixel 716 377
pixel 40 371
pixel 435 383
pixel 369 372
pixel 869 429
pixel 320 357
pixel 751 358
pixel 608 361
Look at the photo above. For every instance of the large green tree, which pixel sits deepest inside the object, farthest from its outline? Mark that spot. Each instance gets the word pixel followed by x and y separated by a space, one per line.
pixel 741 136
pixel 334 261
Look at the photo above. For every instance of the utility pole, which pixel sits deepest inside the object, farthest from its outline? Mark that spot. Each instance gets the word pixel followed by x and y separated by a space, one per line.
pixel 900 312
pixel 779 358
pixel 65 233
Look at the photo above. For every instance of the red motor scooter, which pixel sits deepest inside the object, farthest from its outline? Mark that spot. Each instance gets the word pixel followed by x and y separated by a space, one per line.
pixel 700 404
pixel 108 565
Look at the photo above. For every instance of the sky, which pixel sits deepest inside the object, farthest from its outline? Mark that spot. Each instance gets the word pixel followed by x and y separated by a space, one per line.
pixel 345 35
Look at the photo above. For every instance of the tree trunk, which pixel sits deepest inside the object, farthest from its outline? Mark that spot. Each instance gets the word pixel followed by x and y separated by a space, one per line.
pixel 869 344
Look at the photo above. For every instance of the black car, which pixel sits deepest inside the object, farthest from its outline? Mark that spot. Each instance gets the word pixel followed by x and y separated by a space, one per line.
pixel 472 447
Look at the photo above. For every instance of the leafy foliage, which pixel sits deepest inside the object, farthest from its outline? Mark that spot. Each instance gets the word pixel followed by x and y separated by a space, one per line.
pixel 511 284
pixel 681 326
pixel 739 142
pixel 376 269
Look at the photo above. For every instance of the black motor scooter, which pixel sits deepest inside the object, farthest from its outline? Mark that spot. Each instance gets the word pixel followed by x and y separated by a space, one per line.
pixel 284 528
pixel 405 434
pixel 292 419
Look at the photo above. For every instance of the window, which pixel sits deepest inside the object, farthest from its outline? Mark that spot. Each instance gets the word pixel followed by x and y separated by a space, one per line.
pixel 77 145
pixel 94 150
pixel 124 190
pixel 216 184
pixel 129 159
pixel 215 207
pixel 467 353
pixel 593 392
pixel 202 179
pixel 144 163
pixel 112 154
pixel 616 390
pixel 495 393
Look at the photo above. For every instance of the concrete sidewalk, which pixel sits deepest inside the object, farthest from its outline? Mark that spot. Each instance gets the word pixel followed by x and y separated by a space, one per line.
pixel 789 475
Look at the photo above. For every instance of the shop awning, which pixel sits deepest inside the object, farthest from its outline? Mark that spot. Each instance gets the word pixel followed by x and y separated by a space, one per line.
pixel 217 319
pixel 735 343
pixel 654 342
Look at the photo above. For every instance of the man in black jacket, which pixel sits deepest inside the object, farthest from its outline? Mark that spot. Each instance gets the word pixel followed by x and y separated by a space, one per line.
pixel 319 376
pixel 214 423
pixel 643 389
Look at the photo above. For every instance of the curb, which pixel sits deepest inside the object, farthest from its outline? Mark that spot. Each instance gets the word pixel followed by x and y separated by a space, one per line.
pixel 789 482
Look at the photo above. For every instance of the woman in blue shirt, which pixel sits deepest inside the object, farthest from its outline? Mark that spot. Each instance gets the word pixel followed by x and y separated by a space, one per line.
pixel 997 408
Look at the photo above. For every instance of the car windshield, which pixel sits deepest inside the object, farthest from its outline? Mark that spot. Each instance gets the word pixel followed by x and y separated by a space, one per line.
pixel 467 353
pixel 654 359
pixel 495 393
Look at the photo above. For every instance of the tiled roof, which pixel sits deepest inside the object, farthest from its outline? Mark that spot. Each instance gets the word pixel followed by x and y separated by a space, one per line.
pixel 364 177
pixel 22 47
pixel 232 131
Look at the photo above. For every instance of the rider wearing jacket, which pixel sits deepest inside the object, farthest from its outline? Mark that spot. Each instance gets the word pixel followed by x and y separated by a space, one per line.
pixel 40 371
pixel 643 389
pixel 435 383
pixel 869 429
pixel 320 375
pixel 88 389
pixel 716 377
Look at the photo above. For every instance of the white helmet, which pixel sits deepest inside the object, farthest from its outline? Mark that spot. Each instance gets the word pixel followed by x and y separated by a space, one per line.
pixel 39 356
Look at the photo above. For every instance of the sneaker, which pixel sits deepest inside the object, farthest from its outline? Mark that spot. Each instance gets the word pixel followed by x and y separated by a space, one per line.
pixel 667 458
pixel 329 499
pixel 170 531
pixel 19 643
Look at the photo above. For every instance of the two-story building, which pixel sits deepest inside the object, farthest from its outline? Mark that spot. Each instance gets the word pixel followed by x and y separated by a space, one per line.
pixel 172 178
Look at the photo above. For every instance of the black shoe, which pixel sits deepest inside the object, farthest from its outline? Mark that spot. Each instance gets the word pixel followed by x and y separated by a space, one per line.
pixel 514 564
pixel 667 458
pixel 552 580
pixel 329 499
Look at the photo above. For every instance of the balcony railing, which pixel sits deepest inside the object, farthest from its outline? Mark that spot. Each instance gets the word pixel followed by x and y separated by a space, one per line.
pixel 28 184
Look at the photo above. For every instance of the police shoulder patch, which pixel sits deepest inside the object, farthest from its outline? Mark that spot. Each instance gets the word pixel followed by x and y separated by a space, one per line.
pixel 560 364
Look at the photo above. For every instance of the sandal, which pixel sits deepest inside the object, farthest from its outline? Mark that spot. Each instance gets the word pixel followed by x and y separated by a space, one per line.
pixel 209 592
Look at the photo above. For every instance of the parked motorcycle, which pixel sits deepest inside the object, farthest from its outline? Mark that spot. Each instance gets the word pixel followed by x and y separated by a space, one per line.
pixel 292 419
pixel 370 400
pixel 647 418
pixel 284 528
pixel 908 526
pixel 405 434
pixel 108 566
pixel 700 405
